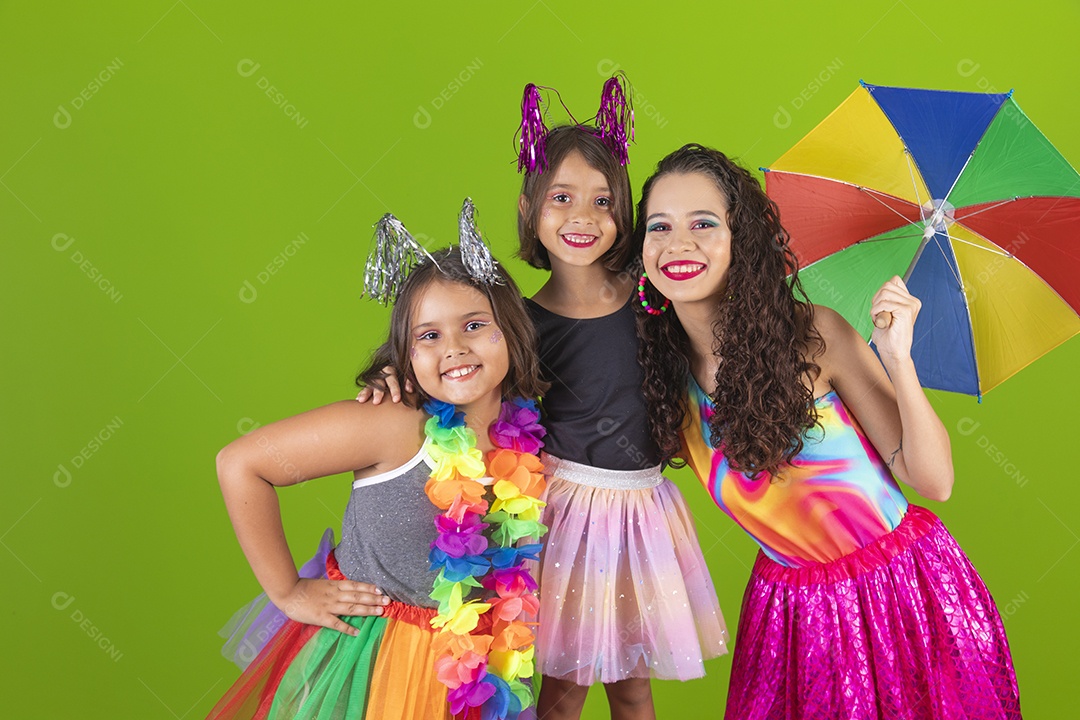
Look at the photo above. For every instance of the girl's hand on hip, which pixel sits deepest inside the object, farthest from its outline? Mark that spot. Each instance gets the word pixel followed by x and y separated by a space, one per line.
pixel 320 602
pixel 894 310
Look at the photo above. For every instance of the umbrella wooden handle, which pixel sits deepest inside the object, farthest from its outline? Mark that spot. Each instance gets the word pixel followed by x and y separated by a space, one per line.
pixel 882 320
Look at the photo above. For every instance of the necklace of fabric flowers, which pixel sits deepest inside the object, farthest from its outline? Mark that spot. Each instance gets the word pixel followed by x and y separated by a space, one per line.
pixel 484 645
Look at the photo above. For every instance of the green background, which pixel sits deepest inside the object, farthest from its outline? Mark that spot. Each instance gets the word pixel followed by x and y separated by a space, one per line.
pixel 150 185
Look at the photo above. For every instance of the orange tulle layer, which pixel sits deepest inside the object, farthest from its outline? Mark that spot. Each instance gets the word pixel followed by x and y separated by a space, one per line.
pixel 386 672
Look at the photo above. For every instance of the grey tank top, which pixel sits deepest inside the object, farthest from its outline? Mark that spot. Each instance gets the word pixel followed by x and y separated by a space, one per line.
pixel 387 533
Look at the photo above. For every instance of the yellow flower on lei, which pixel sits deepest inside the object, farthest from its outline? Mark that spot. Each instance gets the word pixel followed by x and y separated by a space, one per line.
pixel 510 499
pixel 449 465
pixel 511 664
pixel 463 619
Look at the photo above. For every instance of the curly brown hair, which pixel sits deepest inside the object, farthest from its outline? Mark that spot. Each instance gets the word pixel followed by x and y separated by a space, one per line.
pixel 561 142
pixel 523 377
pixel 763 332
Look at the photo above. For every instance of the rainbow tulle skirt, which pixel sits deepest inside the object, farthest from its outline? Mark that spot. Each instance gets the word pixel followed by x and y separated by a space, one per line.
pixel 293 670
pixel 624 589
pixel 901 628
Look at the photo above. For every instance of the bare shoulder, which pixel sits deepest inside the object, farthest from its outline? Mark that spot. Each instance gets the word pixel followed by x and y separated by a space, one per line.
pixel 840 338
pixel 831 324
pixel 401 429
pixel 848 364
pixel 395 425
pixel 340 437
pixel 842 346
pixel 352 417
pixel 400 425
pixel 390 413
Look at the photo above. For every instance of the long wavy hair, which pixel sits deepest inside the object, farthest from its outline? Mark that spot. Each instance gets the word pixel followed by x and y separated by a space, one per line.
pixel 523 376
pixel 764 333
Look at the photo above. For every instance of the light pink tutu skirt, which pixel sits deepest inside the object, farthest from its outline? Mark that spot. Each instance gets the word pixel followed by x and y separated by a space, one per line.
pixel 624 590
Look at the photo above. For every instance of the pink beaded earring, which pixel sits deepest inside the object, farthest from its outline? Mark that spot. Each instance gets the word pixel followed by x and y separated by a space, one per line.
pixel 645 303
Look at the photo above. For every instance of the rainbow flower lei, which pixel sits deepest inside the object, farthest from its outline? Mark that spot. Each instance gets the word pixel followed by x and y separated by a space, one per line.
pixel 484 645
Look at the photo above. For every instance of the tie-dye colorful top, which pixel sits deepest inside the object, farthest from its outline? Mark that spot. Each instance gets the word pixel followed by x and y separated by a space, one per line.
pixel 835 497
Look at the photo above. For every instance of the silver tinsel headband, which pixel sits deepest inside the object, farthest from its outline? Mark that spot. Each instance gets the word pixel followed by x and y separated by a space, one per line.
pixel 475 253
pixel 393 257
pixel 396 253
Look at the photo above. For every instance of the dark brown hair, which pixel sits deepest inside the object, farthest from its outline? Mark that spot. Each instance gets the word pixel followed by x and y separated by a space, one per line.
pixel 764 334
pixel 522 377
pixel 561 142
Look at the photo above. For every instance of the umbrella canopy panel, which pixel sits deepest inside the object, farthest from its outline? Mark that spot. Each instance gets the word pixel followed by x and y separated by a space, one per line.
pixel 961 195
pixel 1015 316
pixel 858 145
pixel 940 129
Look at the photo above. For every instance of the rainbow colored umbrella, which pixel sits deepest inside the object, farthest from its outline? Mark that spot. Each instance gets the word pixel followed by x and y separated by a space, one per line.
pixel 961 195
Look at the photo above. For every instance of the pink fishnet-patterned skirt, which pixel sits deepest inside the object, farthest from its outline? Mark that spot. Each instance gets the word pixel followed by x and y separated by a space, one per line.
pixel 902 628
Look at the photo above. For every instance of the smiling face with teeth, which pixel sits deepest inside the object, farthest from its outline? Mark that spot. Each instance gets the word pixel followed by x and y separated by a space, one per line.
pixel 687 245
pixel 458 351
pixel 576 224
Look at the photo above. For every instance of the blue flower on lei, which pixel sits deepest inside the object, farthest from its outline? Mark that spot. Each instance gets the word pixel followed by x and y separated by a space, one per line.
pixel 446 412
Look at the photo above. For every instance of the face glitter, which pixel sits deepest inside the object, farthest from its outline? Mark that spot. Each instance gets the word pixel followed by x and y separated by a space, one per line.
pixel 496 336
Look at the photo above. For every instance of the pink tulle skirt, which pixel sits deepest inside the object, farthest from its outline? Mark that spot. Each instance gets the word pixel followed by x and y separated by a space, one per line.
pixel 902 628
pixel 624 590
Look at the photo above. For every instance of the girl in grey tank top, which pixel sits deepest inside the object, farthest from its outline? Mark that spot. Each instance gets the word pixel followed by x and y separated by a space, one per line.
pixel 437 550
pixel 389 518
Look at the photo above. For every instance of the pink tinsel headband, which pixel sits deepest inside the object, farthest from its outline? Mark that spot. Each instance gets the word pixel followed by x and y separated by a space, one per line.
pixel 614 124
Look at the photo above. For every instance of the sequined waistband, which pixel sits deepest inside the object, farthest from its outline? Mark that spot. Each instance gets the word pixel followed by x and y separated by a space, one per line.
pixel 599 477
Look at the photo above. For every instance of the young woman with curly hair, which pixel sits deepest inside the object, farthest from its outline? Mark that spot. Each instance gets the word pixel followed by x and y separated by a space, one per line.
pixel 859 604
